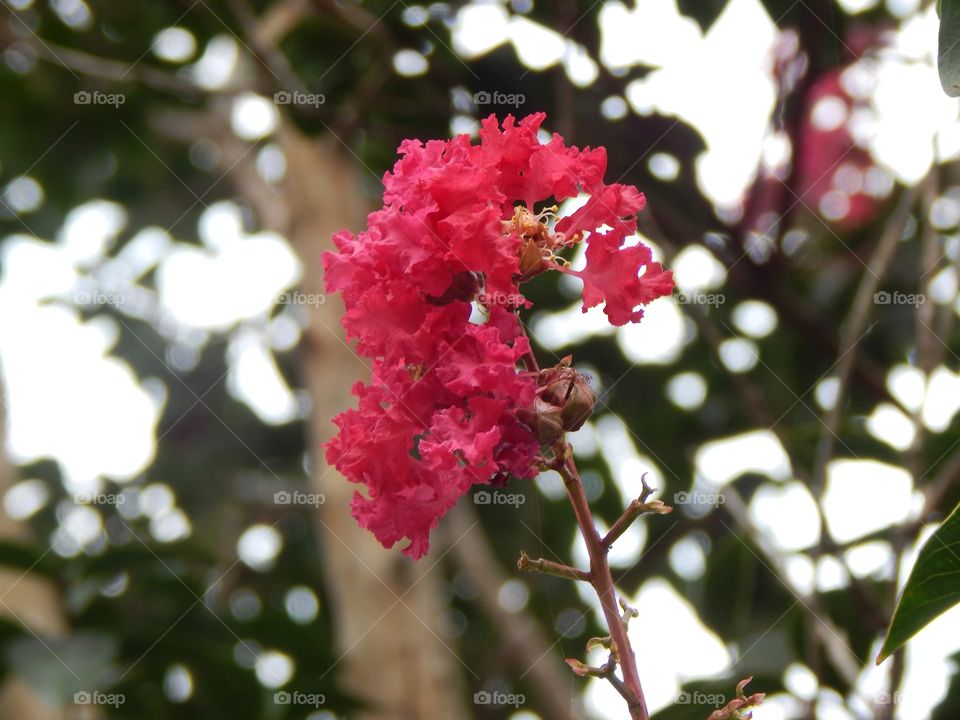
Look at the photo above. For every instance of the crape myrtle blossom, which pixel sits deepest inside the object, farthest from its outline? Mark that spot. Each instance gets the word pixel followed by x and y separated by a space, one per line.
pixel 453 399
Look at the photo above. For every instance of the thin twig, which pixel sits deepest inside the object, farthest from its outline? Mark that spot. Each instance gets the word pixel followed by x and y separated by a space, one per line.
pixel 635 509
pixel 549 567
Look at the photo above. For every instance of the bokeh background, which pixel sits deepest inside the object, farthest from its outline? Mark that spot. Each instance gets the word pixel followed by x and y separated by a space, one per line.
pixel 171 543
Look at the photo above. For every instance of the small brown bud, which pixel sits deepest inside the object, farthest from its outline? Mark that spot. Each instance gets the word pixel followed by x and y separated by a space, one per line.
pixel 564 402
pixel 567 389
pixel 545 420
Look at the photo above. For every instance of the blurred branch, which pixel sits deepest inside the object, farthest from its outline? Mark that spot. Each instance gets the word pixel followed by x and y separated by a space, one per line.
pixel 929 352
pixel 869 373
pixel 376 33
pixel 852 330
pixel 752 398
pixel 773 288
pixel 280 19
pixel 265 32
pixel 115 71
pixel 564 116
pixel 528 650
pixel 367 88
pixel 356 16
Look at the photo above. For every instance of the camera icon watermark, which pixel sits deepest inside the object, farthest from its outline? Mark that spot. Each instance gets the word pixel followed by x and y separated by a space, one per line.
pixel 99 298
pixel 699 698
pixel 95 697
pixel 509 300
pixel 499 699
pixel 99 499
pixel 285 497
pixel 85 97
pixel 696 497
pixel 886 698
pixel 301 298
pixel 883 297
pixel 700 298
pixel 486 497
pixel 296 697
pixel 484 97
pixel 295 97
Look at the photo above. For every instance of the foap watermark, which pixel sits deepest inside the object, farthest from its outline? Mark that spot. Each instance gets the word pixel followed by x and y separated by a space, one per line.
pixel 301 298
pixel 699 698
pixel 284 497
pixel 85 97
pixel 99 298
pixel 486 497
pixel 295 97
pixel 95 697
pixel 501 298
pixel 499 699
pixel 886 698
pixel 883 297
pixel 296 697
pixel 697 497
pixel 484 97
pixel 701 298
pixel 99 499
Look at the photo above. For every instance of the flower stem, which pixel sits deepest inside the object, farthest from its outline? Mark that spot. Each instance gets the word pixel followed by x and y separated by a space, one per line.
pixel 602 581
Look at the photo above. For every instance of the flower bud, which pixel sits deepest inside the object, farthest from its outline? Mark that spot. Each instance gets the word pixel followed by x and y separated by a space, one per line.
pixel 545 420
pixel 564 402
pixel 567 389
pixel 579 405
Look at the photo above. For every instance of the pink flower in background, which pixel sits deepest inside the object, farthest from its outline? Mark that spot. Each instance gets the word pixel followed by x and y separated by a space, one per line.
pixel 432 290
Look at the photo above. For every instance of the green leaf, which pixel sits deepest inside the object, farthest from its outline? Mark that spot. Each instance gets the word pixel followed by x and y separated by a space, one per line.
pixel 932 588
pixel 948 55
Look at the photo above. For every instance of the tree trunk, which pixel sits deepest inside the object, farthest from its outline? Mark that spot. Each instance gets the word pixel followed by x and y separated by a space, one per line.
pixel 387 609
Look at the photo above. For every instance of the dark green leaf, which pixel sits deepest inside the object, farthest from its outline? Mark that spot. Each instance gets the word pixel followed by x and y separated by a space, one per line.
pixel 932 588
pixel 948 55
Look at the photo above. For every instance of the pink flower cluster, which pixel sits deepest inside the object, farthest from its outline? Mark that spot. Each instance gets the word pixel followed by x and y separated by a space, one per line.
pixel 431 290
